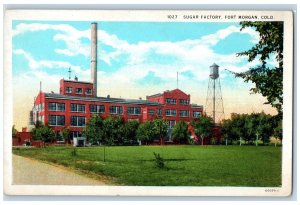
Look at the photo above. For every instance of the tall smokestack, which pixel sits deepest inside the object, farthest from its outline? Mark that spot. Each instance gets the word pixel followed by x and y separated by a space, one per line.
pixel 94 57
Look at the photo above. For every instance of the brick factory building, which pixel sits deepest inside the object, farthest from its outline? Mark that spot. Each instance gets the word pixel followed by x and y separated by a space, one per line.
pixel 77 101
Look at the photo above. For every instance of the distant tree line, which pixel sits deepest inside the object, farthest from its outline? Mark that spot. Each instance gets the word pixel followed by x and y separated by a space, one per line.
pixel 251 128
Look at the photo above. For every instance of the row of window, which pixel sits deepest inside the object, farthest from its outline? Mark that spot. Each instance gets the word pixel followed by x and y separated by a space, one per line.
pixel 56 107
pixel 79 121
pixel 118 110
pixel 94 108
pixel 88 91
pixel 60 120
pixel 183 113
pixel 39 107
pixel 174 101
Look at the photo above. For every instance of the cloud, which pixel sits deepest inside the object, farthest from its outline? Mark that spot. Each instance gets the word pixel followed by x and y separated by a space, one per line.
pixel 190 54
pixel 194 55
pixel 138 59
pixel 66 33
pixel 34 27
pixel 213 39
pixel 35 65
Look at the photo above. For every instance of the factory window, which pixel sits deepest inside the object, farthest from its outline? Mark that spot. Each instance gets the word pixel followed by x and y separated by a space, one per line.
pixel 184 102
pixel 77 121
pixel 39 107
pixel 52 106
pixel 170 112
pixel 115 110
pixel 56 120
pixel 159 112
pixel 88 91
pixel 78 90
pixel 97 108
pixel 134 110
pixel 61 107
pixel 69 89
pixel 75 134
pixel 184 113
pixel 41 119
pixel 171 124
pixel 77 107
pixel 196 114
pixel 171 101
pixel 151 112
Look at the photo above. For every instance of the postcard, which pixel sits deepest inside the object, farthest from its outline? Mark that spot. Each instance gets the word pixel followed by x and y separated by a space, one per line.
pixel 148 102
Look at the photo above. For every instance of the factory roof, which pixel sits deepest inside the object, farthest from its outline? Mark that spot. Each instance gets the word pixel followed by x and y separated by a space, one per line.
pixel 76 81
pixel 101 99
pixel 166 91
pixel 196 106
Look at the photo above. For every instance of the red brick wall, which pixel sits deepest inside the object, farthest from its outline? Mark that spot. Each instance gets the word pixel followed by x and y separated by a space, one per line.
pixel 158 99
pixel 175 94
pixel 75 84
pixel 21 138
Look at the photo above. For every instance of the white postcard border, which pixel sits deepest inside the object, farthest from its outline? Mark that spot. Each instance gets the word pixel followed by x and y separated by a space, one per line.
pixel 154 16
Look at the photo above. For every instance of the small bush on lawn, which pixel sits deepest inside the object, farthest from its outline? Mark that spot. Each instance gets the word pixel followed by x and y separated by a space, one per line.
pixel 27 143
pixel 74 152
pixel 159 161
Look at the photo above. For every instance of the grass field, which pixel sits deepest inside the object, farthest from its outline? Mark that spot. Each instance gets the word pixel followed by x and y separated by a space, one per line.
pixel 184 165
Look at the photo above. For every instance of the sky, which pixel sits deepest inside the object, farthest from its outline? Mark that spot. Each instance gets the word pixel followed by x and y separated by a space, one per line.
pixel 135 59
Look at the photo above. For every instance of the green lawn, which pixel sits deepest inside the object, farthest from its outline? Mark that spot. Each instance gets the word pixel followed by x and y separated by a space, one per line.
pixel 185 165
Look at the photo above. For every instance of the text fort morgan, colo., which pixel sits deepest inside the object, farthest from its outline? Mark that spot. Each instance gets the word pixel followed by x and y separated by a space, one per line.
pixel 216 17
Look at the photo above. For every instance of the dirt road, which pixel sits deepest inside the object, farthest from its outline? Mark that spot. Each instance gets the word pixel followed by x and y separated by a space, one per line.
pixel 32 172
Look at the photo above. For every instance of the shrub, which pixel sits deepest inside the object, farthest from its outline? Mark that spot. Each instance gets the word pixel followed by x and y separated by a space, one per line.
pixel 74 152
pixel 159 161
pixel 27 143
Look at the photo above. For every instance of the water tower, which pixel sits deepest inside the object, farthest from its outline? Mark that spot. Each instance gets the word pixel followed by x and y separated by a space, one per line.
pixel 214 102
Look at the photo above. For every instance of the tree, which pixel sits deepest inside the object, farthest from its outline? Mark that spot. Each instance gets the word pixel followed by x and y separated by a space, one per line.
pixel 203 127
pixel 14 132
pixel 265 128
pixel 145 132
pixel 94 130
pixel 249 127
pixel 64 135
pixel 227 130
pixel 180 133
pixel 112 130
pixel 267 79
pixel 251 122
pixel 239 127
pixel 129 131
pixel 234 128
pixel 278 132
pixel 44 133
pixel 160 128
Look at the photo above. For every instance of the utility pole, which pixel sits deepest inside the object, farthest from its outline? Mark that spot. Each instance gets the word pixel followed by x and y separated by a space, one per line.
pixel 177 79
pixel 69 73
